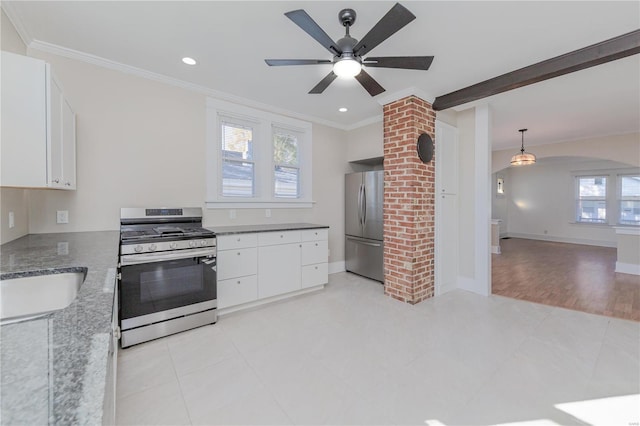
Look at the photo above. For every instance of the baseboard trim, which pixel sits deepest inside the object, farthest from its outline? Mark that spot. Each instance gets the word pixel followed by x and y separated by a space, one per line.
pixel 582 241
pixel 627 268
pixel 335 267
pixel 229 309
pixel 495 250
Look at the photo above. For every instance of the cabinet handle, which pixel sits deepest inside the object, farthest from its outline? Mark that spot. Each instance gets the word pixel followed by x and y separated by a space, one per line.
pixel 281 236
pixel 238 253
pixel 316 244
pixel 67 183
pixel 316 267
pixel 238 240
pixel 56 181
pixel 300 245
pixel 238 282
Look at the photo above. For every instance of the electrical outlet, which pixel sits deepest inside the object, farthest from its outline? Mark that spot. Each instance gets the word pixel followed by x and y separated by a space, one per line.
pixel 63 248
pixel 12 220
pixel 62 216
pixel 232 214
pixel 267 212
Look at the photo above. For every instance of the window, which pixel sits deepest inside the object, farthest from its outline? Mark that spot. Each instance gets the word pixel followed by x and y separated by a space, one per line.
pixel 629 200
pixel 591 203
pixel 286 170
pixel 256 158
pixel 238 168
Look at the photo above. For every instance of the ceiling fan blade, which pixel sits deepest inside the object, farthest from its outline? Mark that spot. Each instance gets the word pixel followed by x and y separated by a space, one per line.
pixel 404 62
pixel 369 83
pixel 280 62
pixel 304 21
pixel 394 20
pixel 324 83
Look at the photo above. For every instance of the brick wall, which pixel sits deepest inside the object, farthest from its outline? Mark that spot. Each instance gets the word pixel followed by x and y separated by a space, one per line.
pixel 409 201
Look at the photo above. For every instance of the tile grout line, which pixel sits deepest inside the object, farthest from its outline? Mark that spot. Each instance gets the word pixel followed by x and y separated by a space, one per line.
pixel 175 372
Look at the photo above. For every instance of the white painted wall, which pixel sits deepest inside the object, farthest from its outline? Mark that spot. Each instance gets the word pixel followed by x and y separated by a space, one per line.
pixel 12 199
pixel 365 142
pixel 499 202
pixel 541 202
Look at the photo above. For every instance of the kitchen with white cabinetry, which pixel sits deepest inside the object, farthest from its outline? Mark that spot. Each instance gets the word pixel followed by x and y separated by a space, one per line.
pixel 38 126
pixel 261 263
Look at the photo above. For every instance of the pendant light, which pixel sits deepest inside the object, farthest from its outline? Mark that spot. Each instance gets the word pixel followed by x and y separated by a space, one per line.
pixel 523 158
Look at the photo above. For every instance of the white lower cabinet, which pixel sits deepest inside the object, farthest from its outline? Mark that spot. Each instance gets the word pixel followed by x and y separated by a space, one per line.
pixel 255 266
pixel 236 291
pixel 278 269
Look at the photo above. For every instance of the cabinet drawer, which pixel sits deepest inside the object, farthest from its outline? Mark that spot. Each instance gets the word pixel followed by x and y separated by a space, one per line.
pixel 237 263
pixel 236 291
pixel 314 252
pixel 236 241
pixel 274 238
pixel 315 274
pixel 314 234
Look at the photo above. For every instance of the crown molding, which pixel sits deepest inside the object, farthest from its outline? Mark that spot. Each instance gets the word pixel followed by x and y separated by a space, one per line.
pixel 13 16
pixel 161 78
pixel 409 91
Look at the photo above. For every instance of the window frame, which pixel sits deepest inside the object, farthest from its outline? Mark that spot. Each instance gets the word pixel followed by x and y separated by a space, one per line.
pixel 283 128
pixel 262 151
pixel 254 126
pixel 577 199
pixel 620 199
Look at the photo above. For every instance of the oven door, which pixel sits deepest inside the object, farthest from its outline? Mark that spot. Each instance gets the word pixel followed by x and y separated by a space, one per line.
pixel 158 290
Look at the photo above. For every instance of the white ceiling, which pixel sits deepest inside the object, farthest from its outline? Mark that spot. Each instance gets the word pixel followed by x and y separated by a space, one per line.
pixel 471 42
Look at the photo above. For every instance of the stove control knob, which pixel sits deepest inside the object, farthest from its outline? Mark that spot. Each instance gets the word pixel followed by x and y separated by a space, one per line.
pixel 203 243
pixel 173 245
pixel 153 247
pixel 192 243
pixel 138 248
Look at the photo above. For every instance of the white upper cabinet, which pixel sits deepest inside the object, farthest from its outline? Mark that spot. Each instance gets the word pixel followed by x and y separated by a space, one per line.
pixel 38 126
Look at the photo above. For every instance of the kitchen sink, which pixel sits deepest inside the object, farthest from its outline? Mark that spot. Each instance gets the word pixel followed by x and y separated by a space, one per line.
pixel 33 296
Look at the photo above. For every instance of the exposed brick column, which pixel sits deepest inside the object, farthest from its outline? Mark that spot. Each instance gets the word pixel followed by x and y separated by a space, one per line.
pixel 409 201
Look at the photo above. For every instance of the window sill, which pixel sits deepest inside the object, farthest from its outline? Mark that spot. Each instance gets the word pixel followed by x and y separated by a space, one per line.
pixel 235 204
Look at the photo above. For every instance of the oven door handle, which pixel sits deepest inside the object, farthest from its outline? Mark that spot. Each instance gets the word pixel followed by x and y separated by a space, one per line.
pixel 136 259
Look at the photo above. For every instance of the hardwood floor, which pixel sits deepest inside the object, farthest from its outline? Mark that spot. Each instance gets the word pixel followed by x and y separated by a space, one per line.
pixel 572 276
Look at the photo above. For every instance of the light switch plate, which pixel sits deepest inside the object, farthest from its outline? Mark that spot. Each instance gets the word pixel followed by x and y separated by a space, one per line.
pixel 232 214
pixel 12 220
pixel 62 216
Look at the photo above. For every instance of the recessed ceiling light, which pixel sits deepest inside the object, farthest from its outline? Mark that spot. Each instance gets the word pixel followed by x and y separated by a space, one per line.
pixel 343 109
pixel 189 61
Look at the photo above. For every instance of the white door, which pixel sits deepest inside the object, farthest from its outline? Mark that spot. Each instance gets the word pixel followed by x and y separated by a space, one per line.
pixel 446 251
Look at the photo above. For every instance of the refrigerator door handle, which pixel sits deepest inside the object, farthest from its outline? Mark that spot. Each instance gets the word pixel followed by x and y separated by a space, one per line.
pixel 364 205
pixel 360 205
pixel 364 243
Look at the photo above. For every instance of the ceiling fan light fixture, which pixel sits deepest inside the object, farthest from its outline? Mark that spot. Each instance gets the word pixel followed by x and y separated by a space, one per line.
pixel 189 61
pixel 524 158
pixel 347 68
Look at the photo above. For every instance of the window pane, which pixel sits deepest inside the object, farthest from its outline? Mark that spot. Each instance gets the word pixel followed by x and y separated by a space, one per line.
pixel 630 186
pixel 237 141
pixel 593 187
pixel 287 182
pixel 237 178
pixel 630 212
pixel 593 211
pixel 285 149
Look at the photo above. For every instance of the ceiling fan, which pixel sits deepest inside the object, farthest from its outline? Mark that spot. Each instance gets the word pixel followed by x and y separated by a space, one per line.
pixel 348 52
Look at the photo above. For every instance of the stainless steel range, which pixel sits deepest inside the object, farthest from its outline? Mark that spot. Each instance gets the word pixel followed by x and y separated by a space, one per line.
pixel 167 280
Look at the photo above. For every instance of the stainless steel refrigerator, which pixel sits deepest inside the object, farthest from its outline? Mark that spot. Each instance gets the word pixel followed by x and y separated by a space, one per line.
pixel 364 224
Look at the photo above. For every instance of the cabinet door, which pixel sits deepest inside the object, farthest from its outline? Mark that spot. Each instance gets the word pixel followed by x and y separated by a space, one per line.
pixel 68 146
pixel 237 263
pixel 314 252
pixel 236 291
pixel 278 269
pixel 24 121
pixel 54 145
pixel 313 275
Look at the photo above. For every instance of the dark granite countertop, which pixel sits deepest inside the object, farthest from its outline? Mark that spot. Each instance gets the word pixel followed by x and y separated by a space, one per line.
pixel 244 229
pixel 54 367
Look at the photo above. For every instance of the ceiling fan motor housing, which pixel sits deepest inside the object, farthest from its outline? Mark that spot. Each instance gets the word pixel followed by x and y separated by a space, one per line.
pixel 347 17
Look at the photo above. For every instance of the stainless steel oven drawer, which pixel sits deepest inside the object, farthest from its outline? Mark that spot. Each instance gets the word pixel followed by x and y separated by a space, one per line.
pixel 165 328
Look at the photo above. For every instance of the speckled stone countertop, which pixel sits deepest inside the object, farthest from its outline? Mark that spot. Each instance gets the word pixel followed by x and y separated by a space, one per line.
pixel 244 229
pixel 54 367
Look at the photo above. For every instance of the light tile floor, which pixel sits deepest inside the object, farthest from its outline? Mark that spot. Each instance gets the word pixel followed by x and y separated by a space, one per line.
pixel 350 355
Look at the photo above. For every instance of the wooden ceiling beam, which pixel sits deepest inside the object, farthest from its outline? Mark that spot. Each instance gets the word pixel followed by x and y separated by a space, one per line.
pixel 596 54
